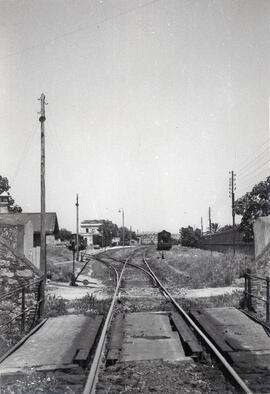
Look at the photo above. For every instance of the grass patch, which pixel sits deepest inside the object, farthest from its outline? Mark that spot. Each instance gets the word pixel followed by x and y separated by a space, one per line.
pixel 55 306
pixel 89 303
pixel 59 273
pixel 58 254
pixel 196 268
pixel 226 300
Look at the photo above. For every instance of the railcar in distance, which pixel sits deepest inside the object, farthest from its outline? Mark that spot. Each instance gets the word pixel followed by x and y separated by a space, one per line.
pixel 164 240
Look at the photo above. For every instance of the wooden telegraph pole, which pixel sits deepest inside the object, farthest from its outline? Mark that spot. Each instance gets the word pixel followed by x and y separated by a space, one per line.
pixel 209 220
pixel 77 228
pixel 42 118
pixel 232 188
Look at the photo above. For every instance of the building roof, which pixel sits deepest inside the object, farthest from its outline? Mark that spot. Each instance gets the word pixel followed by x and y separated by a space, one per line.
pixel 93 221
pixel 4 194
pixel 22 218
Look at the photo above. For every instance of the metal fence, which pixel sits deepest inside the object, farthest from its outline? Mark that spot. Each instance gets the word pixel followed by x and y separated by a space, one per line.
pixel 21 307
pixel 249 294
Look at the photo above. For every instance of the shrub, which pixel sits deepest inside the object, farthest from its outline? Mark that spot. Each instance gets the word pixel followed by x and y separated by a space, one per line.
pixel 54 306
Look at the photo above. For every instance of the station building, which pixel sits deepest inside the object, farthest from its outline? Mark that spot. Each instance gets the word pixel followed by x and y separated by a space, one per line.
pixel 89 230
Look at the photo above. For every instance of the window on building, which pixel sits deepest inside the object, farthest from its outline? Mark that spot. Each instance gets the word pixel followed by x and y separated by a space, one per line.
pixel 87 230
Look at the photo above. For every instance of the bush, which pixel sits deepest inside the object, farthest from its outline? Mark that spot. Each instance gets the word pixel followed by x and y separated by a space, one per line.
pixel 190 237
pixel 54 306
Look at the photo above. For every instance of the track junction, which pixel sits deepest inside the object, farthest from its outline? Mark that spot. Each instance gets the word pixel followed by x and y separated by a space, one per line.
pixel 148 343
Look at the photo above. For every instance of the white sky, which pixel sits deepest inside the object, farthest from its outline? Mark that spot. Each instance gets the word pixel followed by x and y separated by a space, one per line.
pixel 151 104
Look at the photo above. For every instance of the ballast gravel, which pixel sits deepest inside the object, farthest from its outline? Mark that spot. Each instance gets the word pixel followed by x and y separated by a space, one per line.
pixel 161 377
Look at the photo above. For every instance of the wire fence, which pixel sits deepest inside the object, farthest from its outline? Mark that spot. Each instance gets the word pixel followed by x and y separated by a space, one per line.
pixel 21 308
pixel 262 292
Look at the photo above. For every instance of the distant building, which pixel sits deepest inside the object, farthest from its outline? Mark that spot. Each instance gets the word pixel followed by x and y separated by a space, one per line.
pixel 19 233
pixel 89 230
pixel 51 222
pixel 147 238
pixel 4 201
pixel 22 231
pixel 115 241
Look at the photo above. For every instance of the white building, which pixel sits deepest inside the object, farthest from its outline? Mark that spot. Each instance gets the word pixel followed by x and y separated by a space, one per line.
pixel 89 229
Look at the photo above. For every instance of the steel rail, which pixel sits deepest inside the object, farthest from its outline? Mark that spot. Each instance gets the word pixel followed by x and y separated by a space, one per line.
pixel 91 380
pixel 224 362
pixel 134 265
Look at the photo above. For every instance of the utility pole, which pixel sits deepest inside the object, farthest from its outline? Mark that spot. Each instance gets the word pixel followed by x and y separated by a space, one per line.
pixel 123 226
pixel 77 228
pixel 209 219
pixel 232 188
pixel 202 225
pixel 42 118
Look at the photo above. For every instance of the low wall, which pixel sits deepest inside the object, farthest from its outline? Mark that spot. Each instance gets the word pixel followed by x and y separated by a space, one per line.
pixel 223 242
pixel 261 230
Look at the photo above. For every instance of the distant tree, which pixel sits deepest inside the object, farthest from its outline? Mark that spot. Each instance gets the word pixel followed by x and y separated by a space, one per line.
pixel 190 237
pixel 65 235
pixel 225 228
pixel 128 235
pixel 108 231
pixel 214 227
pixel 228 227
pixel 4 187
pixel 251 206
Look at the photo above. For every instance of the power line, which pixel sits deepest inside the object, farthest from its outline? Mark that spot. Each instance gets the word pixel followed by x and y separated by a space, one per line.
pixel 259 157
pixel 70 33
pixel 255 169
pixel 23 156
pixel 245 161
pixel 252 180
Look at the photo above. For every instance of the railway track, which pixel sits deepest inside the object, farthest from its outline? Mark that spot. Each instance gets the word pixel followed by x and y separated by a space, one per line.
pixel 136 280
pixel 139 307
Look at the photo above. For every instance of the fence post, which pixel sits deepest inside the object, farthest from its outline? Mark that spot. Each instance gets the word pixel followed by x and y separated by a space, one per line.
pixel 246 289
pixel 40 299
pixel 249 289
pixel 267 300
pixel 23 311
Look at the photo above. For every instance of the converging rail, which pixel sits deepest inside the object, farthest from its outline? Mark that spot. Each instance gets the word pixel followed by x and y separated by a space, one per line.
pixel 92 377
pixel 213 348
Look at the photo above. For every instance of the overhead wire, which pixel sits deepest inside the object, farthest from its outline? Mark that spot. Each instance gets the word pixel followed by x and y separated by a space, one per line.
pixel 76 31
pixel 246 175
pixel 28 144
pixel 257 158
pixel 247 160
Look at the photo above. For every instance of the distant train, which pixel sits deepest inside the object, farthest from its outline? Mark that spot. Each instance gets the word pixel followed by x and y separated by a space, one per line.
pixel 164 240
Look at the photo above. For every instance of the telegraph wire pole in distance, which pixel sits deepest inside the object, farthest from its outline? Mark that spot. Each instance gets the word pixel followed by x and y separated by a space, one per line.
pixel 202 225
pixel 77 228
pixel 123 226
pixel 43 265
pixel 210 227
pixel 232 188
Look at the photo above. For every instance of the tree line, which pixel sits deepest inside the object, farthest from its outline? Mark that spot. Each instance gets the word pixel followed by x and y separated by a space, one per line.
pixel 250 206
